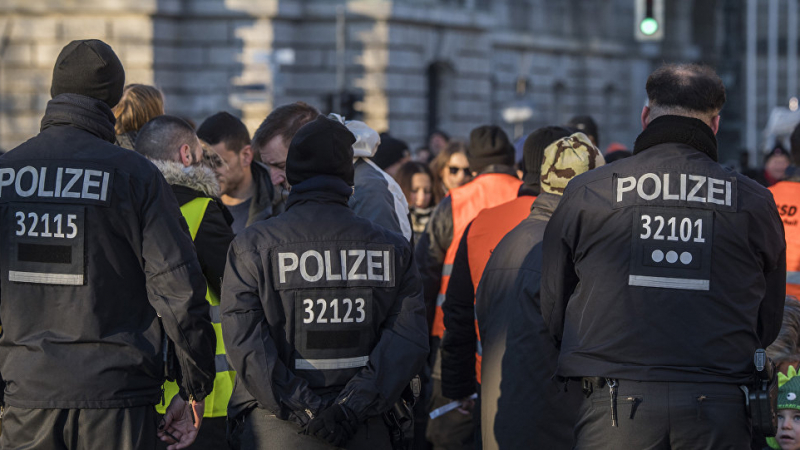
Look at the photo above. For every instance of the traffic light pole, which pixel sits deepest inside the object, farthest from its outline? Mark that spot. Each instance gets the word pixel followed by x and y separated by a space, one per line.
pixel 751 132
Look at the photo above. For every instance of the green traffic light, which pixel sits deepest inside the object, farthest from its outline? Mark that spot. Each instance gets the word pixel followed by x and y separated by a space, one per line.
pixel 648 26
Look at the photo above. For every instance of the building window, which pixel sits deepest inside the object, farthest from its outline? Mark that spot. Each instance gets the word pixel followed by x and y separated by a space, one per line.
pixel 441 77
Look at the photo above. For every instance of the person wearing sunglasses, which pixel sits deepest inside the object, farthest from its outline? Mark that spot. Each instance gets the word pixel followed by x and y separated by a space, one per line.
pixel 451 169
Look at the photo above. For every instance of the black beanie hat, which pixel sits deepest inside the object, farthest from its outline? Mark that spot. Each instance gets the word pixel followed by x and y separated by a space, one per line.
pixel 533 150
pixel 586 125
pixel 489 145
pixel 390 150
pixel 91 68
pixel 321 147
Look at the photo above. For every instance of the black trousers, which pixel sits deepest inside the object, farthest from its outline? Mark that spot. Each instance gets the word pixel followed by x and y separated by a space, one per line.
pixel 261 430
pixel 665 415
pixel 79 429
pixel 453 430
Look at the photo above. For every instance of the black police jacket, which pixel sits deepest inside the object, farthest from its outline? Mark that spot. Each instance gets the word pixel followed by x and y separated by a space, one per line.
pixel 321 306
pixel 665 266
pixel 94 249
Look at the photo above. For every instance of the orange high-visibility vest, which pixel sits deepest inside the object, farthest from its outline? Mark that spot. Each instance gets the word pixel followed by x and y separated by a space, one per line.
pixel 485 191
pixel 487 230
pixel 787 197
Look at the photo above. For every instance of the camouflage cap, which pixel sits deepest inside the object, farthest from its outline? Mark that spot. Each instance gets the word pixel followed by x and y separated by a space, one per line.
pixel 567 158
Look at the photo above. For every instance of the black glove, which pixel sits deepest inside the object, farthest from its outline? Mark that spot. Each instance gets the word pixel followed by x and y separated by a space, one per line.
pixel 336 425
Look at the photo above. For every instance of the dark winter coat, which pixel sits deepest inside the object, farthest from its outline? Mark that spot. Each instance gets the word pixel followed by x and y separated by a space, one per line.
pixel 520 402
pixel 100 251
pixel 664 266
pixel 303 333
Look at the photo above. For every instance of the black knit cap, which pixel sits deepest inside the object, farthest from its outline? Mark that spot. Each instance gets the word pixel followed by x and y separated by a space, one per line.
pixel 586 125
pixel 489 145
pixel 533 150
pixel 321 147
pixel 91 68
pixel 390 150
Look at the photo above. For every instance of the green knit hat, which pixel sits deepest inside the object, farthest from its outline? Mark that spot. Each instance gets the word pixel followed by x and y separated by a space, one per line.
pixel 788 396
pixel 789 390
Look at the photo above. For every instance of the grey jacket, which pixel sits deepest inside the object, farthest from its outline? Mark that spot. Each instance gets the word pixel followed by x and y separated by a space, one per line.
pixel 378 197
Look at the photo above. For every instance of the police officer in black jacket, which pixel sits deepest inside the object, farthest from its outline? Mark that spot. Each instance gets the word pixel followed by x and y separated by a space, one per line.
pixel 94 250
pixel 663 273
pixel 322 311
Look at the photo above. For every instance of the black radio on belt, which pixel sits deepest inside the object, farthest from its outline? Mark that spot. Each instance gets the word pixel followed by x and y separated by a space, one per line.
pixel 762 398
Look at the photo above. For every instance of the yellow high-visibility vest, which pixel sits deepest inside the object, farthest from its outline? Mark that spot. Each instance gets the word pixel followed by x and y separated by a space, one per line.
pixel 217 400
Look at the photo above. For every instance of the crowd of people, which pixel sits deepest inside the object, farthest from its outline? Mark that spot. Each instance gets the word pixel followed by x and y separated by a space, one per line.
pixel 317 284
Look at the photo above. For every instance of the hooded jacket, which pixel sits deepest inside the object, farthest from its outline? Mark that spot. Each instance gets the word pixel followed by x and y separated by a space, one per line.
pixel 376 195
pixel 321 306
pixel 664 266
pixel 100 250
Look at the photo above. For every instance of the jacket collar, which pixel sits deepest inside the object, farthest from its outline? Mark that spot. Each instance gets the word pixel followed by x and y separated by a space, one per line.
pixel 81 112
pixel 320 189
pixel 198 178
pixel 679 130
pixel 529 189
pixel 261 204
pixel 544 205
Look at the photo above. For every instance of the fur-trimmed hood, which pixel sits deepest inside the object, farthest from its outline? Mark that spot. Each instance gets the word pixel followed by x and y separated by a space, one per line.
pixel 199 178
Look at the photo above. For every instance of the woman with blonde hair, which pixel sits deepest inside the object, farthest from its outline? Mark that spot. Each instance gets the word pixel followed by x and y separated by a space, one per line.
pixel 139 104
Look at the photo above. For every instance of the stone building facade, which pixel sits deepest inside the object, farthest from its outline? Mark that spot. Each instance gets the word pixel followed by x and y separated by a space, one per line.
pixel 414 65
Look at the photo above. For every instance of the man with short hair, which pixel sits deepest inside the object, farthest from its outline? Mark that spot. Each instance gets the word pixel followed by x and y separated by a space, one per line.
pixel 245 184
pixel 271 141
pixel 94 252
pixel 662 274
pixel 170 143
